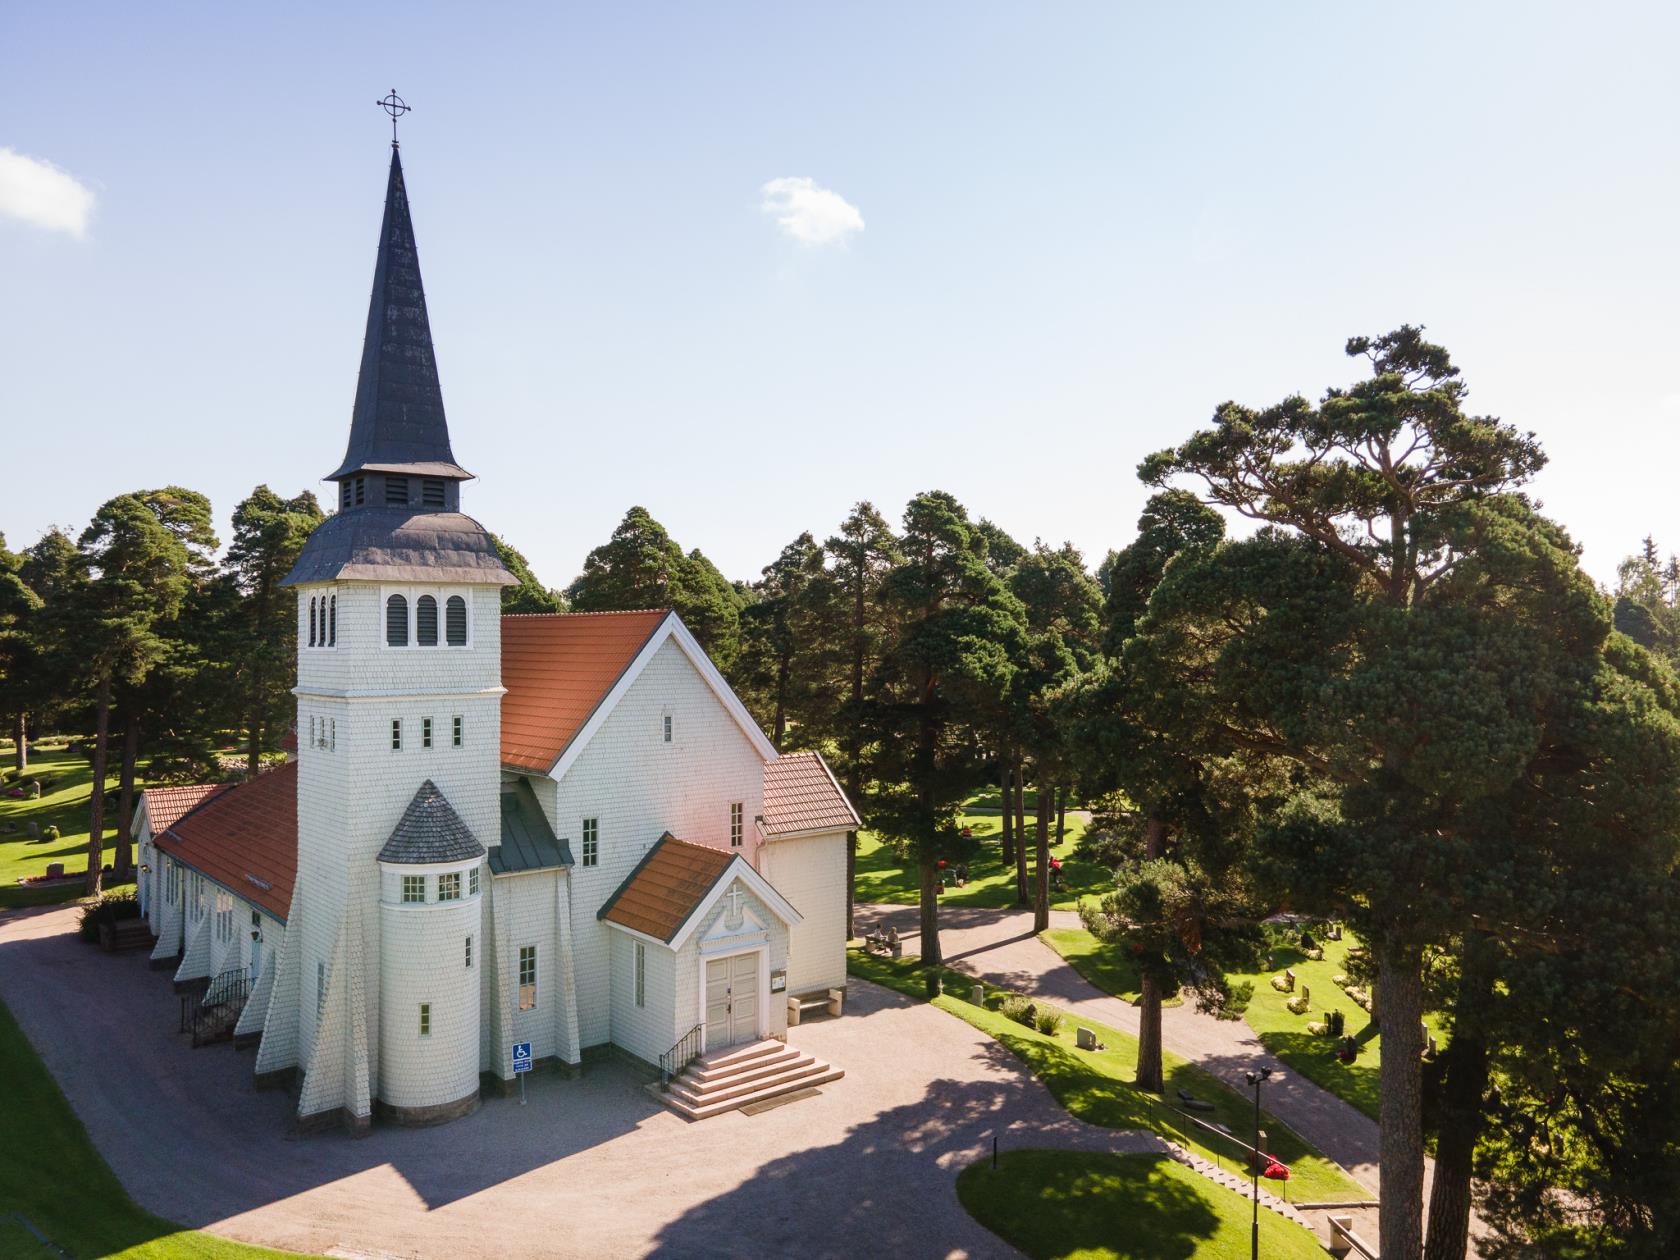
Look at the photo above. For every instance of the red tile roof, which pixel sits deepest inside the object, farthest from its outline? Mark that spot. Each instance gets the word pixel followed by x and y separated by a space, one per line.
pixel 666 887
pixel 800 794
pixel 245 838
pixel 165 804
pixel 557 668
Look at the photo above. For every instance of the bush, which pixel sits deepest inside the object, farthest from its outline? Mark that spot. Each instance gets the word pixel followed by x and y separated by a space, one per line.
pixel 1048 1020
pixel 111 908
pixel 1297 1005
pixel 1019 1009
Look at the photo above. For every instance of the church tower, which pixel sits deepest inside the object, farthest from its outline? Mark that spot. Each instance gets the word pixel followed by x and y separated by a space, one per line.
pixel 377 1002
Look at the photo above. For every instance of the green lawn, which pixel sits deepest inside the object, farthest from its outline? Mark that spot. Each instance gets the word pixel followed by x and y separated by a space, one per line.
pixel 63 804
pixel 1077 1205
pixel 883 877
pixel 1097 1085
pixel 1286 1035
pixel 51 1174
pixel 1105 966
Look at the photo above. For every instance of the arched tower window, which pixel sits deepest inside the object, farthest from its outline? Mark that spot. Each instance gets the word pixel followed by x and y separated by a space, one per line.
pixel 396 622
pixel 332 622
pixel 425 621
pixel 311 621
pixel 455 614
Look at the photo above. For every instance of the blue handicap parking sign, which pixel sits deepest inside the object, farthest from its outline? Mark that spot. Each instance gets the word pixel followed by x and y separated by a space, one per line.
pixel 522 1056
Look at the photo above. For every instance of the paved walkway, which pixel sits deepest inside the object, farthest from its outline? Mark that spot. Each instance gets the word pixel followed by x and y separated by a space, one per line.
pixel 589 1167
pixel 1001 947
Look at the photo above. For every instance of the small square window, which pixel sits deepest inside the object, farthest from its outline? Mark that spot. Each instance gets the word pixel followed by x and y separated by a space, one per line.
pixel 527 977
pixel 667 728
pixel 472 882
pixel 396 734
pixel 413 888
pixel 735 827
pixel 425 1019
pixel 591 841
pixel 425 732
pixel 455 731
pixel 449 886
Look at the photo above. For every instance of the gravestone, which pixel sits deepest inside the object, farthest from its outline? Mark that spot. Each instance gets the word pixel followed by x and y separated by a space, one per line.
pixel 1084 1038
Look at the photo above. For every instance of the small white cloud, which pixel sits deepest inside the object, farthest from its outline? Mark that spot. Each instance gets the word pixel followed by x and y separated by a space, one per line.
pixel 812 215
pixel 39 193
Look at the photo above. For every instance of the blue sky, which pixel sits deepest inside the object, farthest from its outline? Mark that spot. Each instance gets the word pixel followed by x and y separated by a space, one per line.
pixel 1082 228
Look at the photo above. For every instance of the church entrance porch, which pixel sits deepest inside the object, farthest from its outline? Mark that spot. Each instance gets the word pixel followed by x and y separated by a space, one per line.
pixel 732 999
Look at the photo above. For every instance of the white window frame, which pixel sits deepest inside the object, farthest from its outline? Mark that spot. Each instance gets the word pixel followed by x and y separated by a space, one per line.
pixel 425 1019
pixel 527 1001
pixel 667 728
pixel 457 731
pixel 469 951
pixel 449 886
pixel 591 844
pixel 641 972
pixel 406 885
pixel 737 824
pixel 324 605
pixel 412 595
pixel 425 732
pixel 396 735
pixel 472 882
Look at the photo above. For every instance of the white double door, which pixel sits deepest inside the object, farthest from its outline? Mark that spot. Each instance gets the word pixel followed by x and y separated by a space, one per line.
pixel 731 1000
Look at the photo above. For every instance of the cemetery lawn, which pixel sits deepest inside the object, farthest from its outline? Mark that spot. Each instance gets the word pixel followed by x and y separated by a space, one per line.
pixel 1097 1086
pixel 1105 966
pixel 883 877
pixel 55 1179
pixel 66 793
pixel 1078 1205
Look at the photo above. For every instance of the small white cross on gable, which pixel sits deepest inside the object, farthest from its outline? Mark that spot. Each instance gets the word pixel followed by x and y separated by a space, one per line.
pixel 733 897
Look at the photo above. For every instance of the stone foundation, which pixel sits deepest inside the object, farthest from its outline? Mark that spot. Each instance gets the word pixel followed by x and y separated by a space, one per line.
pixel 420 1117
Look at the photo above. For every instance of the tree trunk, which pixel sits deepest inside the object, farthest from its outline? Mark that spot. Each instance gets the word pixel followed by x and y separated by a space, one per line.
pixel 96 801
pixel 1149 1072
pixel 1041 895
pixel 1461 1115
pixel 20 736
pixel 1005 780
pixel 1061 816
pixel 122 866
pixel 1400 1145
pixel 931 956
pixel 1012 802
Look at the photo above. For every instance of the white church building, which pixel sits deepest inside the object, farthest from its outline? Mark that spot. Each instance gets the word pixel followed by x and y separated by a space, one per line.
pixel 556 831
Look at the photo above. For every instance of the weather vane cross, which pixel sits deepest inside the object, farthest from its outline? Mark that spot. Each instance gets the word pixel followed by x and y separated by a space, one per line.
pixel 395 106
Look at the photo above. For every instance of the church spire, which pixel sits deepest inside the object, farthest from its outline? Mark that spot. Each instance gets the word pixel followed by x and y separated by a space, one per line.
pixel 398 424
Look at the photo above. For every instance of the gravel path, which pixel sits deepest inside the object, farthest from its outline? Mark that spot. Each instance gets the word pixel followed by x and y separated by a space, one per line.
pixel 589 1167
pixel 1000 946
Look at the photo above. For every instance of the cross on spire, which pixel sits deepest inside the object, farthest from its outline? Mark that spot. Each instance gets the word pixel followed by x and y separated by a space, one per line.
pixel 395 106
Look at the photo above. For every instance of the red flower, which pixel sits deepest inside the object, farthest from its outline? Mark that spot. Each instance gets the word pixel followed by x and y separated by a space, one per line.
pixel 1276 1171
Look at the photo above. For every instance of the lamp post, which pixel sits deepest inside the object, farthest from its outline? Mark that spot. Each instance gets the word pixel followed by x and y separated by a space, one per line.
pixel 1254 1079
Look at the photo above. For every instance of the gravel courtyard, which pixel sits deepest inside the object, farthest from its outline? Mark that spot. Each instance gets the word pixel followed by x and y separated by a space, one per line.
pixel 587 1167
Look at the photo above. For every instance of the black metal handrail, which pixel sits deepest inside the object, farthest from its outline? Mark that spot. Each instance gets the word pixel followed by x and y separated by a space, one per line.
pixel 211 1013
pixel 680 1055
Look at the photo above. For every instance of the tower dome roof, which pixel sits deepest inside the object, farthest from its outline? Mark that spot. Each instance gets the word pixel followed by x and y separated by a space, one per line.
pixel 431 832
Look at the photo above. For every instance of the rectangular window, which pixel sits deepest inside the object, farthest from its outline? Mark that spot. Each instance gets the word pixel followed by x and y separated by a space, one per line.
pixel 472 882
pixel 431 492
pixel 449 886
pixel 455 730
pixel 591 841
pixel 425 1019
pixel 641 974
pixel 469 953
pixel 735 835
pixel 320 988
pixel 396 492
pixel 425 732
pixel 527 977
pixel 413 888
pixel 667 728
pixel 396 734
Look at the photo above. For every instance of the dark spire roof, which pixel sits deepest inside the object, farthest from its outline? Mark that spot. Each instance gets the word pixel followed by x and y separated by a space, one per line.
pixel 398 423
pixel 431 831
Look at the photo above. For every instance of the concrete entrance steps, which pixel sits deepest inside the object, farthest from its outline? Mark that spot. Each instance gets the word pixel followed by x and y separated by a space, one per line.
pixel 1234 1181
pixel 728 1079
